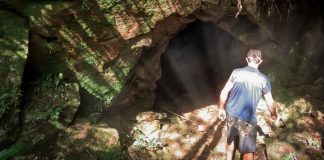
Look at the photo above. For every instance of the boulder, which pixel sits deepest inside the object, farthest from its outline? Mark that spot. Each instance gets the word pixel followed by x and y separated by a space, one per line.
pixel 85 141
pixel 301 106
pixel 150 116
pixel 149 127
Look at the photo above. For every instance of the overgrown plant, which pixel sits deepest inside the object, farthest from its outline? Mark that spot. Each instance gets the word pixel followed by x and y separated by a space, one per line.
pixel 52 96
pixel 9 99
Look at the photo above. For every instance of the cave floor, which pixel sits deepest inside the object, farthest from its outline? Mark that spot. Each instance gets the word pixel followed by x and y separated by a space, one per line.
pixel 167 133
pixel 199 134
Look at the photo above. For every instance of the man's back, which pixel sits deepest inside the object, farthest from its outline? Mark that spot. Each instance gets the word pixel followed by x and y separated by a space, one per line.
pixel 249 85
pixel 244 88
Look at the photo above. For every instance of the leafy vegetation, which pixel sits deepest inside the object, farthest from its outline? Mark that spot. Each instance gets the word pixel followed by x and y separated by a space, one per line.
pixel 115 152
pixel 107 5
pixel 142 141
pixel 13 42
pixel 13 53
pixel 12 151
pixel 50 100
pixel 9 99
pixel 39 12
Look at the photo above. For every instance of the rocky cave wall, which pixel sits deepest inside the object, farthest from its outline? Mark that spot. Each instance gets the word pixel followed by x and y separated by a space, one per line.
pixel 281 34
pixel 111 51
pixel 91 44
pixel 196 63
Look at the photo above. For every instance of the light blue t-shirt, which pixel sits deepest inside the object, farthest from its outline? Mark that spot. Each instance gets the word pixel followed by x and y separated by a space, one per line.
pixel 249 86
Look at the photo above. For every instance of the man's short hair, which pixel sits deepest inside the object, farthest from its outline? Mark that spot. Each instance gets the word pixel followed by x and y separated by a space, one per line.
pixel 254 55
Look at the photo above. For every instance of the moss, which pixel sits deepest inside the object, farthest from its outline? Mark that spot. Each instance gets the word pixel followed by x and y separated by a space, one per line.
pixel 12 151
pixel 146 11
pixel 87 22
pixel 13 36
pixel 96 87
pixel 114 152
pixel 104 86
pixel 13 53
pixel 105 142
pixel 85 27
pixel 39 13
pixel 105 5
pixel 279 78
pixel 51 100
pixel 102 11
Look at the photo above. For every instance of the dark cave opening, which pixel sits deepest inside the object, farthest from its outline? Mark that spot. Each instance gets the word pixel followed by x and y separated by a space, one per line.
pixel 196 65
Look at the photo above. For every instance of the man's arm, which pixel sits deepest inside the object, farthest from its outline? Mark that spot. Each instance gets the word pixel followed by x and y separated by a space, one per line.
pixel 223 98
pixel 271 104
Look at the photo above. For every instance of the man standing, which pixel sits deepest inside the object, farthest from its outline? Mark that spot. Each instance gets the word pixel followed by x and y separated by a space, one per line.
pixel 241 95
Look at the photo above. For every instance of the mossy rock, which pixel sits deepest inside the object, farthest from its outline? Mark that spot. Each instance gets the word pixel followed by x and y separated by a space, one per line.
pixel 42 13
pixel 51 104
pixel 82 140
pixel 13 53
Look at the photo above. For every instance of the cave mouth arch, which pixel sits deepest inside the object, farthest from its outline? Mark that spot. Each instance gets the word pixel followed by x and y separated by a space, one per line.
pixel 196 65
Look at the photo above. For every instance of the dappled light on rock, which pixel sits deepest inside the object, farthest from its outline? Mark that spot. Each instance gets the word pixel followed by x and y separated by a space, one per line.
pixel 201 135
pixel 302 133
pixel 183 137
pixel 205 115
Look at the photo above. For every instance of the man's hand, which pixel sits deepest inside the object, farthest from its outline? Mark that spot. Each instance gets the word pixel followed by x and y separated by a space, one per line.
pixel 222 114
pixel 272 106
pixel 222 99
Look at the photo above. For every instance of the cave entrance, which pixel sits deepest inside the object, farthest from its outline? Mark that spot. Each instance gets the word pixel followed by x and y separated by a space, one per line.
pixel 196 65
